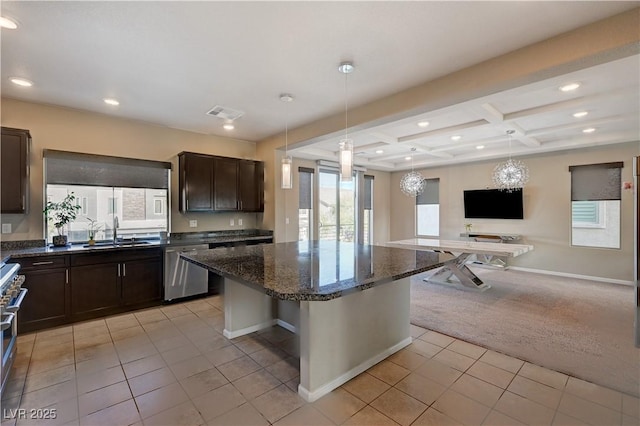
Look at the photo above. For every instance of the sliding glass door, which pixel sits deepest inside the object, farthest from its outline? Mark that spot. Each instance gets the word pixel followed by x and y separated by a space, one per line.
pixel 336 207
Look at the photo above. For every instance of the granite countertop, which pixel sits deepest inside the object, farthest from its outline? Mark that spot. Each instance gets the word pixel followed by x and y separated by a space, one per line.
pixel 178 239
pixel 315 270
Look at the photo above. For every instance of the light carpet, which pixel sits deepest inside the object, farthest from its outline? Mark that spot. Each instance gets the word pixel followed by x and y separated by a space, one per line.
pixel 578 327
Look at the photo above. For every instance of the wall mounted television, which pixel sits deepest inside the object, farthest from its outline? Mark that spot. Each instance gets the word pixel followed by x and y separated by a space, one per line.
pixel 493 204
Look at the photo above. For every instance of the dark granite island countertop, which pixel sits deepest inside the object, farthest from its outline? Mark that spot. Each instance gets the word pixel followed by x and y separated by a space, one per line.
pixel 315 270
pixel 348 304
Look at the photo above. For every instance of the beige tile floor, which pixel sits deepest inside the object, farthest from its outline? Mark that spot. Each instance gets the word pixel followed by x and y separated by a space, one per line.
pixel 171 366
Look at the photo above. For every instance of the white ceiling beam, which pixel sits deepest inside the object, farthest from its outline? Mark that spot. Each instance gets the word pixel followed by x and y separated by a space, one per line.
pixel 443 131
pixel 383 137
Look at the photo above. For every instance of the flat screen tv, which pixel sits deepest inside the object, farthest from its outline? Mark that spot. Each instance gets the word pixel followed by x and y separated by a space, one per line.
pixel 493 204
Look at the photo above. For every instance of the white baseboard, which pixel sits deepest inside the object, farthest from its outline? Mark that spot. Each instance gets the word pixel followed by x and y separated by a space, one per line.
pixel 237 333
pixel 566 274
pixel 286 325
pixel 344 378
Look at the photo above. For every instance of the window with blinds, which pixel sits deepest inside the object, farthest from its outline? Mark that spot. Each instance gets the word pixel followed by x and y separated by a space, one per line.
pixel 595 204
pixel 127 193
pixel 428 209
pixel 305 203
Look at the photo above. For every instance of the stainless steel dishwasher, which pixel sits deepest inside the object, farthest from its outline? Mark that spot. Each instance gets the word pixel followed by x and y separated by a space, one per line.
pixel 182 278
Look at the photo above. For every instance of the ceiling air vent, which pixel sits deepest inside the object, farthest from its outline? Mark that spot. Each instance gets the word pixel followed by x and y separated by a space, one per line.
pixel 225 113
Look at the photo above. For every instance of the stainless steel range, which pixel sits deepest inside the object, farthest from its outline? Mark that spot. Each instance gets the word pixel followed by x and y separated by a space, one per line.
pixel 11 297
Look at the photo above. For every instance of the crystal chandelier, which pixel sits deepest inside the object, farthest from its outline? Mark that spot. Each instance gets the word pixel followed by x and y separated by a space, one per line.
pixel 412 183
pixel 346 144
pixel 287 173
pixel 511 174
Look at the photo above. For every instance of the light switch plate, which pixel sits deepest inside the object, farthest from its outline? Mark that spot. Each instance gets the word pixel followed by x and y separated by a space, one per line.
pixel 232 222
pixel 193 224
pixel 6 228
pixel 239 222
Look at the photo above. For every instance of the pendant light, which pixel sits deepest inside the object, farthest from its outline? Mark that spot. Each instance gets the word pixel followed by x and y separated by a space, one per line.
pixel 511 174
pixel 287 172
pixel 412 184
pixel 346 144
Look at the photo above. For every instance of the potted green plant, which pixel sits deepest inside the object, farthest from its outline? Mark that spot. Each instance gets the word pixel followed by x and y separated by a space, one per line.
pixel 92 229
pixel 60 214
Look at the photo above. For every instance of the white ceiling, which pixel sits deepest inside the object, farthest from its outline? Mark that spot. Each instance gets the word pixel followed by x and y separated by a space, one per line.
pixel 169 63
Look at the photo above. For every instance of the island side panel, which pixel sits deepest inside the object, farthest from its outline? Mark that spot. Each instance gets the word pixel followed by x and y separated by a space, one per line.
pixel 343 337
pixel 245 309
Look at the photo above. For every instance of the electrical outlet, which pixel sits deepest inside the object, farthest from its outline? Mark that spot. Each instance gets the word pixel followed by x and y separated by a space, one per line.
pixel 232 222
pixel 6 228
pixel 193 224
pixel 286 221
pixel 239 222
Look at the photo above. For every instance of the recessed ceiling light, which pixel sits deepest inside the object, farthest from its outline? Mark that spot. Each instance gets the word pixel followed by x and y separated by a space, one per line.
pixel 228 126
pixel 589 130
pixel 21 81
pixel 111 101
pixel 569 87
pixel 423 124
pixel 456 138
pixel 480 147
pixel 580 114
pixel 7 23
pixel 379 151
pixel 408 158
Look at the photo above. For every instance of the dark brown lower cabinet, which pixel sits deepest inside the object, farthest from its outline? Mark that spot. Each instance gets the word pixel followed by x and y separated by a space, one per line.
pixel 140 281
pixel 77 287
pixel 95 290
pixel 47 304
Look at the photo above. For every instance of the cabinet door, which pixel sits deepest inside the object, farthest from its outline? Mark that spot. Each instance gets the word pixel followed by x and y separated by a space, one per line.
pixel 47 303
pixel 94 288
pixel 225 184
pixel 196 183
pixel 14 171
pixel 251 186
pixel 141 281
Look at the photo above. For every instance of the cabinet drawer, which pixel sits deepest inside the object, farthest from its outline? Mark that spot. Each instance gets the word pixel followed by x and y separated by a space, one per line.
pixel 114 256
pixel 43 262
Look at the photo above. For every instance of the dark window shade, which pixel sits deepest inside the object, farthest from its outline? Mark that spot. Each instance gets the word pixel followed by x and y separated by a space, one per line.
pixel 306 170
pixel 305 185
pixel 431 193
pixel 73 168
pixel 596 182
pixel 368 192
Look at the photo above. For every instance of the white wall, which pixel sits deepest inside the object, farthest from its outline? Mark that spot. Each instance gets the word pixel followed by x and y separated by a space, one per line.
pixel 547 214
pixel 80 131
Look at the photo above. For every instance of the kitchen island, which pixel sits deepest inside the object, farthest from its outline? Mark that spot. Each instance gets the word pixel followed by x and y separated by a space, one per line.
pixel 348 304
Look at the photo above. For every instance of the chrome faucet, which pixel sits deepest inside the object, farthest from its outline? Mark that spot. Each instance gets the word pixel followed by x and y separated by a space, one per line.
pixel 116 225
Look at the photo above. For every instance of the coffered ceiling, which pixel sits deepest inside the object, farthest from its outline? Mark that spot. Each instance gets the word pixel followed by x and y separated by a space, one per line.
pixel 169 62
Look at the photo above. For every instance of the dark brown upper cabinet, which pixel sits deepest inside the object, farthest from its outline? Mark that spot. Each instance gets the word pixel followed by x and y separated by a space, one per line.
pixel 14 188
pixel 220 184
pixel 195 183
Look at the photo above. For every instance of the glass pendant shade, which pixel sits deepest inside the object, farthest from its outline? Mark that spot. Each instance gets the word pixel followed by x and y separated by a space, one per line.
pixel 510 175
pixel 287 175
pixel 346 160
pixel 412 184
